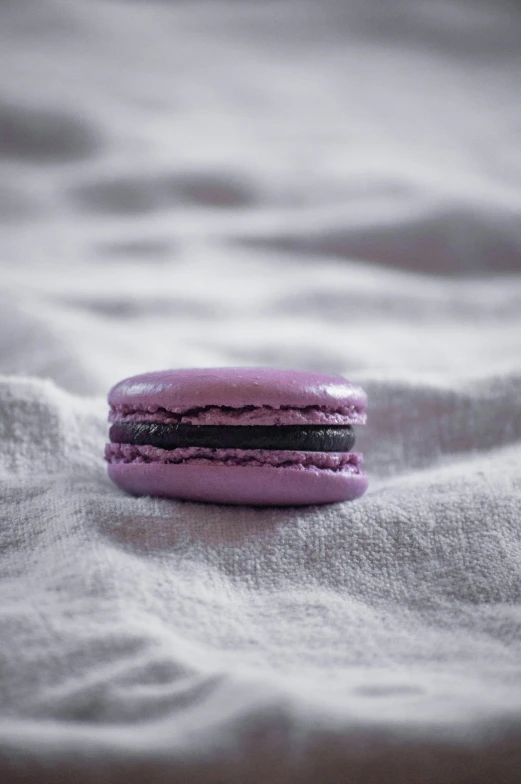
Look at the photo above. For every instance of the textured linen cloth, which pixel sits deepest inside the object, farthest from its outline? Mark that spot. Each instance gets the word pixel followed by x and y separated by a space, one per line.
pixel 331 186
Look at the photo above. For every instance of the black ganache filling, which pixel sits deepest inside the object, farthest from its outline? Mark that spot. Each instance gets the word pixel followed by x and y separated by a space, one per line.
pixel 299 438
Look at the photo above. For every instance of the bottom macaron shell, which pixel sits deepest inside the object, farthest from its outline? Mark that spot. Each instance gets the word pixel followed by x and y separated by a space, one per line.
pixel 250 485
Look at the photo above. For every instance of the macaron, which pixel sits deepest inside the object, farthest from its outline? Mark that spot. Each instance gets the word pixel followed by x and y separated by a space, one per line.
pixel 256 436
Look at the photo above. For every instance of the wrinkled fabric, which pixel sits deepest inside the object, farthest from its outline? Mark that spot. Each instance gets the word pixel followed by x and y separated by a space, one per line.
pixel 332 186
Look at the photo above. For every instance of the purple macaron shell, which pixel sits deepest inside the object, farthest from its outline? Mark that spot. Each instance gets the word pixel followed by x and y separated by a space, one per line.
pixel 251 485
pixel 236 388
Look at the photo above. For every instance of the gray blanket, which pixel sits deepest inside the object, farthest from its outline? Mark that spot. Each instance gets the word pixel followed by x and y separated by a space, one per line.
pixel 330 185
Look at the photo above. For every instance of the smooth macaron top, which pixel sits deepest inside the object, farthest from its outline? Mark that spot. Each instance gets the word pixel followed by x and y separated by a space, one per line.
pixel 186 389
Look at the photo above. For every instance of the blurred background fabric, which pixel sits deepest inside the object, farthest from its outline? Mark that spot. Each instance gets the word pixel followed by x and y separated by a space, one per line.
pixel 331 185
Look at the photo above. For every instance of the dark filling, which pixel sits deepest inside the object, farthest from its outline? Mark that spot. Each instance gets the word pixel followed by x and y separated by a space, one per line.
pixel 299 438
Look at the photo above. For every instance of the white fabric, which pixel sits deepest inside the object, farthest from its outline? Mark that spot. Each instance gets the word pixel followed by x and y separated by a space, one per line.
pixel 318 185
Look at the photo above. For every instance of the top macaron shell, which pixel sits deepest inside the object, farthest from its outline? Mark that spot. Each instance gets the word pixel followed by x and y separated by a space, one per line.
pixel 236 388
